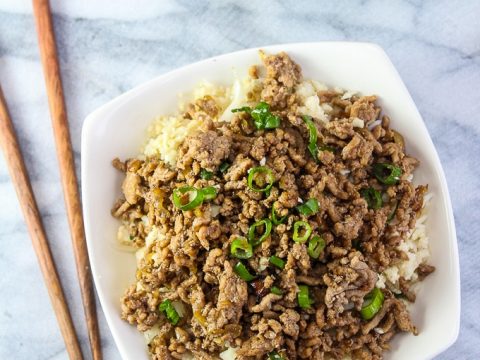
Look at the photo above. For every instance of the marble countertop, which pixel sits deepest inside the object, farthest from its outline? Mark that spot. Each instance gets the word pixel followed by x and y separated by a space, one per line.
pixel 109 47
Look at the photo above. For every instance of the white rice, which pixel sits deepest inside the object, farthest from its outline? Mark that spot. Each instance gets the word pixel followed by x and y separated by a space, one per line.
pixel 417 250
pixel 307 93
pixel 310 104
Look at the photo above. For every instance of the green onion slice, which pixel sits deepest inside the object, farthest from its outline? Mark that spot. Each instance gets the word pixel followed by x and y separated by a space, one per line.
pixel 169 311
pixel 241 248
pixel 276 261
pixel 209 193
pixel 272 122
pixel 246 109
pixel 301 231
pixel 252 232
pixel 372 197
pixel 242 271
pixel 262 116
pixel 205 174
pixel 187 198
pixel 275 220
pixel 387 174
pixel 275 356
pixel 303 297
pixel 315 246
pixel 309 208
pixel 224 167
pixel 276 290
pixel 372 303
pixel 255 179
pixel 312 137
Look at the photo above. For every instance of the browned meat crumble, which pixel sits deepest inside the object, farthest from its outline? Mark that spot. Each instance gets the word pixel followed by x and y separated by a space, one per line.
pixel 193 264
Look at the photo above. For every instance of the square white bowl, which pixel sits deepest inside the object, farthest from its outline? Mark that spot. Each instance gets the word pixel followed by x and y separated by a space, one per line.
pixel 117 129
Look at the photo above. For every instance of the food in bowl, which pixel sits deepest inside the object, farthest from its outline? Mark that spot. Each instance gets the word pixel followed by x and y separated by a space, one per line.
pixel 274 219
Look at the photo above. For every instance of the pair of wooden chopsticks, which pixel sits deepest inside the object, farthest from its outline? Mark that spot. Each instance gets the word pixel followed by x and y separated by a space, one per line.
pixel 18 172
pixel 9 143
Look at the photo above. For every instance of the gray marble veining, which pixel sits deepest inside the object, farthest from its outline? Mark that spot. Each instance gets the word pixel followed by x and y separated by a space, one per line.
pixel 109 47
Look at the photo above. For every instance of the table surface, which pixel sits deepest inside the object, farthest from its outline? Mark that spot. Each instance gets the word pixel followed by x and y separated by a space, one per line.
pixel 107 48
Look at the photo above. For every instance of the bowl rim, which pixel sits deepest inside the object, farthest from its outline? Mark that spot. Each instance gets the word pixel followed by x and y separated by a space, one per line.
pixel 89 124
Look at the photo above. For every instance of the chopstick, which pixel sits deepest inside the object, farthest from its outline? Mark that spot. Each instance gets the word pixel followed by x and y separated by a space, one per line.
pixel 21 182
pixel 51 69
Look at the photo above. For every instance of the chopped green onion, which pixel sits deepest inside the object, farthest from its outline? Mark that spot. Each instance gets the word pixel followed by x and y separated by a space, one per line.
pixel 272 122
pixel 315 246
pixel 275 356
pixel 372 197
pixel 242 271
pixel 254 180
pixel 262 116
pixel 312 137
pixel 275 260
pixel 309 208
pixel 303 297
pixel 187 198
pixel 224 167
pixel 275 220
pixel 169 311
pixel 209 192
pixel 307 231
pixel 372 303
pixel 246 109
pixel 241 248
pixel 268 192
pixel 205 174
pixel 394 210
pixel 275 290
pixel 252 232
pixel 387 174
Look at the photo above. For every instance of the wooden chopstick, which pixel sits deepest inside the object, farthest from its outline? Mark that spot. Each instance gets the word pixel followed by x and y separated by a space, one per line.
pixel 51 70
pixel 21 182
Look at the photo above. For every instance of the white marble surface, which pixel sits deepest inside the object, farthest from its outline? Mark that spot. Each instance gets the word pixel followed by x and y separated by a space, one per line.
pixel 108 47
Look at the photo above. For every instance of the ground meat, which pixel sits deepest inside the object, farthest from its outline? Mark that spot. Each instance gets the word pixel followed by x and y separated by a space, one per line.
pixel 119 165
pixel 348 281
pixel 186 257
pixel 232 295
pixel 267 338
pixel 405 289
pixel 424 270
pixel 214 265
pixel 342 129
pixel 162 175
pixel 282 75
pixel 358 149
pixel 130 187
pixel 266 303
pixel 365 109
pixel 207 148
pixel 289 320
pixel 140 308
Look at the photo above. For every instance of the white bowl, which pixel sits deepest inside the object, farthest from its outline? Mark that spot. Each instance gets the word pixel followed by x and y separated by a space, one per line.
pixel 117 129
